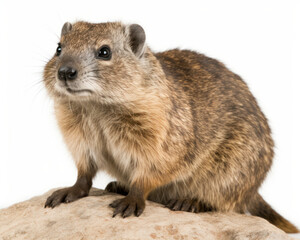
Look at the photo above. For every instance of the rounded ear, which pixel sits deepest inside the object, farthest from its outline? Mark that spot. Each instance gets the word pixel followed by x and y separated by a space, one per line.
pixel 137 39
pixel 67 27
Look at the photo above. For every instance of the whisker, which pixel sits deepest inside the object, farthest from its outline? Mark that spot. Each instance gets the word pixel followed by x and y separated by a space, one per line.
pixel 37 83
pixel 40 90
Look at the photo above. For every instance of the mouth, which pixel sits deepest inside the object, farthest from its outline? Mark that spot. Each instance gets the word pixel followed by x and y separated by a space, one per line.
pixel 78 91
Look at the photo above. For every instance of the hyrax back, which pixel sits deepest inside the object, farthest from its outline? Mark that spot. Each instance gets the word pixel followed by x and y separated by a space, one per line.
pixel 228 147
pixel 175 127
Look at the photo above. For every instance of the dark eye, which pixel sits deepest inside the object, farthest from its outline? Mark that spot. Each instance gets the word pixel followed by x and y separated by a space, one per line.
pixel 58 50
pixel 104 53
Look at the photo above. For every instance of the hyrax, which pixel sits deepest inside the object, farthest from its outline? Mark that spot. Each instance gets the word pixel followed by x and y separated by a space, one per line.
pixel 174 127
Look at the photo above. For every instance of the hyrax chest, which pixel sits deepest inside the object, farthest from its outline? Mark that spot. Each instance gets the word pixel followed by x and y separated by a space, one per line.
pixel 107 143
pixel 90 137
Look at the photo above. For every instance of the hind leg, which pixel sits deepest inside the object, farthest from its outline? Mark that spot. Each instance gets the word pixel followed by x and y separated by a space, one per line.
pixel 116 187
pixel 188 205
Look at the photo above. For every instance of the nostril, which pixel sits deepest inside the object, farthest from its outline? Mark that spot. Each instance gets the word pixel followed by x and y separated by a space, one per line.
pixel 62 74
pixel 67 73
pixel 71 74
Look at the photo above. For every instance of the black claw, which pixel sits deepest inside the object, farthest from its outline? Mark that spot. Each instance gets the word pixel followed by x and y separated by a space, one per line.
pixel 188 205
pixel 171 203
pixel 193 208
pixel 127 206
pixel 177 206
pixel 64 195
pixel 130 210
pixel 48 201
pixel 118 210
pixel 115 203
pixel 139 212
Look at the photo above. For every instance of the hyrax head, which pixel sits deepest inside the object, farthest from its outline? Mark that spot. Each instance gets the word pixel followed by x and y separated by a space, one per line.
pixel 97 62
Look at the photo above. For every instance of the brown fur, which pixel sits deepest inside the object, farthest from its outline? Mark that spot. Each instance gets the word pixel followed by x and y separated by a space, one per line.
pixel 171 125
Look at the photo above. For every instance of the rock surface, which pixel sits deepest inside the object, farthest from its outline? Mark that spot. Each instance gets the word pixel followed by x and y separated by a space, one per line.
pixel 91 218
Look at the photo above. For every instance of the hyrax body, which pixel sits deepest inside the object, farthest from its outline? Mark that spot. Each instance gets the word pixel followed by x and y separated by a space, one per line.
pixel 174 127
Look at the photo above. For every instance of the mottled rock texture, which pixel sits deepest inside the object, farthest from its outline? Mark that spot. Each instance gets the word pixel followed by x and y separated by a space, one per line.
pixel 91 218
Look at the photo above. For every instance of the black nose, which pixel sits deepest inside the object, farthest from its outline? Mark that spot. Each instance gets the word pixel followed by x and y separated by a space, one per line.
pixel 67 73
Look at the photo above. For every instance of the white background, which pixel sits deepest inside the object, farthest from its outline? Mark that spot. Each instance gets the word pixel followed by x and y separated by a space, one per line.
pixel 259 40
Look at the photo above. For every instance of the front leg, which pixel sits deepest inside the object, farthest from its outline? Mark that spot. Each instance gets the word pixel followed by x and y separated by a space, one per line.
pixel 79 190
pixel 72 124
pixel 134 202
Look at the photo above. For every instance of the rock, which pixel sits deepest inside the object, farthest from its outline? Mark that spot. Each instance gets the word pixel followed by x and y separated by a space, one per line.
pixel 91 218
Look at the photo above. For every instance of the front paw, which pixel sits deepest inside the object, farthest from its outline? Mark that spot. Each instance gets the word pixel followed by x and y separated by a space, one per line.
pixel 65 195
pixel 127 206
